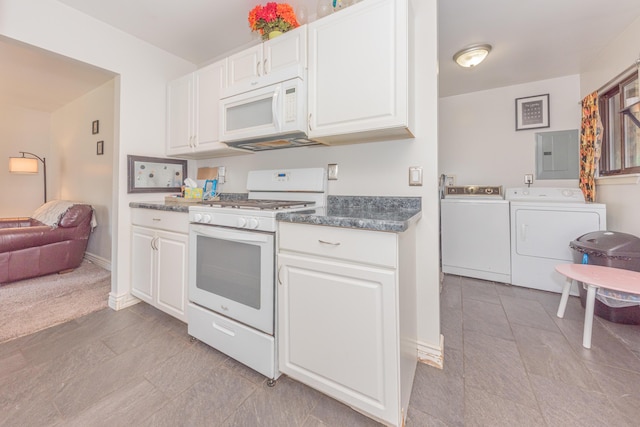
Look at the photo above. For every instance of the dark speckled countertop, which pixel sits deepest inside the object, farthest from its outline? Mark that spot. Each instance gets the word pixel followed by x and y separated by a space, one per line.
pixel 393 214
pixel 159 206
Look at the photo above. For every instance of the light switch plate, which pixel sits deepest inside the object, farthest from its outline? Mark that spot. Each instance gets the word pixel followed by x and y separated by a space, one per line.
pixel 415 175
pixel 332 171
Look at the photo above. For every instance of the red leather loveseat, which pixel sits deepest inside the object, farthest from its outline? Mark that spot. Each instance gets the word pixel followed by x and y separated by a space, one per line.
pixel 31 248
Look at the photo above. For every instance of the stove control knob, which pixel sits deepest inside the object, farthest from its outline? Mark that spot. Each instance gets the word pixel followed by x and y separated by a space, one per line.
pixel 206 218
pixel 197 217
pixel 253 223
pixel 242 222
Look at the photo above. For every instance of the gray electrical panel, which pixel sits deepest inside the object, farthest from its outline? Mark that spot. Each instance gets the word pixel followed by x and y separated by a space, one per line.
pixel 557 154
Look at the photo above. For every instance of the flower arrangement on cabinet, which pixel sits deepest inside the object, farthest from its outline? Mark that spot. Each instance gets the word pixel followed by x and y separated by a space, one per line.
pixel 272 17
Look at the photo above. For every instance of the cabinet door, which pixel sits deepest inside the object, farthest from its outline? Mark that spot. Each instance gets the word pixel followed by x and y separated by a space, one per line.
pixel 210 81
pixel 358 69
pixel 244 69
pixel 338 331
pixel 180 131
pixel 171 273
pixel 142 263
pixel 285 57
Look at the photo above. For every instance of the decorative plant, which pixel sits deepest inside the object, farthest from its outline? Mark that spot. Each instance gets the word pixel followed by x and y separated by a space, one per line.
pixel 272 17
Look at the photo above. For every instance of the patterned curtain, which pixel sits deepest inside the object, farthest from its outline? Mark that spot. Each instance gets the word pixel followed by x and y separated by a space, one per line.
pixel 590 139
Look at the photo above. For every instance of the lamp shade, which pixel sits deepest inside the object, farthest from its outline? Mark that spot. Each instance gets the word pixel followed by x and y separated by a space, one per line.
pixel 472 55
pixel 23 165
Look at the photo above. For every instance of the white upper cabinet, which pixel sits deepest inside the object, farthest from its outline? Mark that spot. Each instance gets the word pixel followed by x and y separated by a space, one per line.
pixel 358 73
pixel 274 61
pixel 180 107
pixel 192 114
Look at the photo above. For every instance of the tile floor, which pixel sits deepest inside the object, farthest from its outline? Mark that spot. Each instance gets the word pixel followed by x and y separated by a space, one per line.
pixel 508 361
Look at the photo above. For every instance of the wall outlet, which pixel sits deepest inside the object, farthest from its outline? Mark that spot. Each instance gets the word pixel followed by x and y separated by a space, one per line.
pixel 222 174
pixel 332 171
pixel 528 179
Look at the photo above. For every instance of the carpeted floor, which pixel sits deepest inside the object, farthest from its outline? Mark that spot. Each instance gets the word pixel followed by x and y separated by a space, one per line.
pixel 30 305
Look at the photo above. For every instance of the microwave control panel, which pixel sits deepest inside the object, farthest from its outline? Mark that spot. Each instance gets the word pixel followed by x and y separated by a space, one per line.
pixel 290 104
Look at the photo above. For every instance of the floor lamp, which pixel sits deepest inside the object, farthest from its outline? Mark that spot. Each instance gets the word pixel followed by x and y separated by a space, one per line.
pixel 29 165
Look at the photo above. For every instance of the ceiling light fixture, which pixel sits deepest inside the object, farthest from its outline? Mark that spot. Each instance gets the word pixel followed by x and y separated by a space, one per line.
pixel 472 55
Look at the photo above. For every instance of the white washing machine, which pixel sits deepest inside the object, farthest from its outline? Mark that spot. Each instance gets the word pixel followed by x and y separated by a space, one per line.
pixel 543 223
pixel 475 241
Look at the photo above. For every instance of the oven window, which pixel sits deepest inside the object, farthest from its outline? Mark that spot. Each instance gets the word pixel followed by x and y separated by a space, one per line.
pixel 229 269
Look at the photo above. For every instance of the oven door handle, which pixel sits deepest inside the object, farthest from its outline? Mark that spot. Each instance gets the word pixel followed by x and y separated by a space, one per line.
pixel 233 236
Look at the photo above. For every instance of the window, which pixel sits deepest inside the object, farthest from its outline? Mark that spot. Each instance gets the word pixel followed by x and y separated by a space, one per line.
pixel 621 135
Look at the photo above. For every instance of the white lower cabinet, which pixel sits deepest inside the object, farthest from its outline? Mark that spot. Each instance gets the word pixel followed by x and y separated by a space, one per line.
pixel 159 260
pixel 347 316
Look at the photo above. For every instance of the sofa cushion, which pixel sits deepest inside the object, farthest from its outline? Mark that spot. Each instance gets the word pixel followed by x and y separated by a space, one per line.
pixel 75 215
pixel 27 237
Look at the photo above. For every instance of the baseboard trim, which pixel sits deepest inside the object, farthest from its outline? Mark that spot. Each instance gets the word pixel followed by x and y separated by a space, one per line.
pixel 97 260
pixel 123 301
pixel 430 355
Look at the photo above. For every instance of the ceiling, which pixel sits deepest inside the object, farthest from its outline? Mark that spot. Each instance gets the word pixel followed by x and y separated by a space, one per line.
pixel 41 80
pixel 532 40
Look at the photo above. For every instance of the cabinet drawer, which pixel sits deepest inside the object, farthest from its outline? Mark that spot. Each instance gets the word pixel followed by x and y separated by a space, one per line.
pixel 164 220
pixel 244 344
pixel 371 247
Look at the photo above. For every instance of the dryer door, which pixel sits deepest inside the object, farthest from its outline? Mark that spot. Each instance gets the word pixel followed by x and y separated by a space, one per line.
pixel 547 233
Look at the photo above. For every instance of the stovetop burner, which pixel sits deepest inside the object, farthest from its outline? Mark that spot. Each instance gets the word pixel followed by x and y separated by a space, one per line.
pixel 270 205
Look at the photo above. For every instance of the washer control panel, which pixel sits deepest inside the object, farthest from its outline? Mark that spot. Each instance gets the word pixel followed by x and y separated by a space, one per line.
pixel 460 191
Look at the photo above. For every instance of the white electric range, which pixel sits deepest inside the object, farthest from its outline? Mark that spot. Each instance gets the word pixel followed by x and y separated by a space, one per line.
pixel 232 264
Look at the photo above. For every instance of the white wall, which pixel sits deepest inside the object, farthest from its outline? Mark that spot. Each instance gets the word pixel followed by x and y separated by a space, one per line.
pixel 479 143
pixel 23 130
pixel 623 200
pixel 82 175
pixel 140 90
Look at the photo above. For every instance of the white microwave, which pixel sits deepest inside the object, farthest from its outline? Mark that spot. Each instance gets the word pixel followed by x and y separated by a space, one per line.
pixel 266 118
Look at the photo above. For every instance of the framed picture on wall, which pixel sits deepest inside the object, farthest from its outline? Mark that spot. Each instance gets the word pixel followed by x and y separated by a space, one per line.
pixel 532 112
pixel 155 175
pixel 100 148
pixel 95 127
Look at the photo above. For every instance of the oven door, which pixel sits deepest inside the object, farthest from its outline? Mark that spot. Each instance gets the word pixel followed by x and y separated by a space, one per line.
pixel 232 273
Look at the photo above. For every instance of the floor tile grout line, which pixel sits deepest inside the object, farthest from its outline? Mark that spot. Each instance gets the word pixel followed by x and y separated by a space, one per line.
pixel 524 365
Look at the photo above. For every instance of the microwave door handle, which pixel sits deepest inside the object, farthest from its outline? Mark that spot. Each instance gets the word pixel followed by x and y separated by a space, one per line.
pixel 274 108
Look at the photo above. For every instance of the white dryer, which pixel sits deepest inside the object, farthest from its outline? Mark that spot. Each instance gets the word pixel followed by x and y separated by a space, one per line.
pixel 474 238
pixel 543 223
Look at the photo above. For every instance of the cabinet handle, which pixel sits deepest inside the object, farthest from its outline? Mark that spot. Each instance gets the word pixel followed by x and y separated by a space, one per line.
pixel 258 68
pixel 324 242
pixel 309 122
pixel 153 245
pixel 278 275
pixel 264 66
